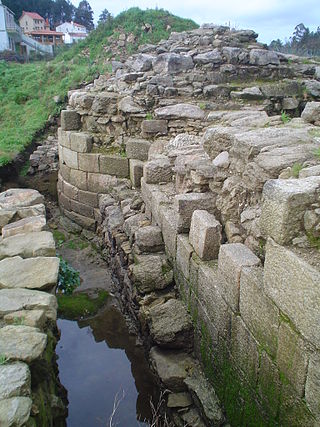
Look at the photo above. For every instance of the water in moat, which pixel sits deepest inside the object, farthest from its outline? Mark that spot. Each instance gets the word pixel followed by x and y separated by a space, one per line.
pixel 100 365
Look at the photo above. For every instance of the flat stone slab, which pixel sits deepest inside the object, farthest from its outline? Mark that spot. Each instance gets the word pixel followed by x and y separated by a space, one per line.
pixel 25 225
pixel 22 343
pixel 28 245
pixel 179 400
pixel 204 393
pixel 180 111
pixel 170 325
pixel 34 318
pixel 15 380
pixel 172 367
pixel 13 214
pixel 33 273
pixel 15 412
pixel 12 300
pixel 18 197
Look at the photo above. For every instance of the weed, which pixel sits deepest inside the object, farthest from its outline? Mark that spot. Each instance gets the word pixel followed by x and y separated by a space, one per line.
pixel 285 117
pixel 68 279
pixel 202 105
pixel 59 237
pixel 80 305
pixel 149 116
pixel 3 359
pixel 317 153
pixel 18 321
pixel 295 169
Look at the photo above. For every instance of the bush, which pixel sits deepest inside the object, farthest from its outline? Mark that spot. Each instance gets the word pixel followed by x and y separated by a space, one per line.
pixel 69 278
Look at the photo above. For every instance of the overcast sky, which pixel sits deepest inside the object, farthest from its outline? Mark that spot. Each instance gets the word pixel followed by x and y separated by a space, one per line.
pixel 270 18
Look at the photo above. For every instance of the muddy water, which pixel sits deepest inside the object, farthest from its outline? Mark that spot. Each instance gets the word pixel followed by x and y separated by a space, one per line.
pixel 100 365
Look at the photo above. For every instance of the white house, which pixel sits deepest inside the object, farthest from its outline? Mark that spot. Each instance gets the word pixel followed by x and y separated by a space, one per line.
pixel 73 32
pixel 10 32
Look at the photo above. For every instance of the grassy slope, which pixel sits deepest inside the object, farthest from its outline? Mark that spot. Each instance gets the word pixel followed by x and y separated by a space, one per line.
pixel 27 90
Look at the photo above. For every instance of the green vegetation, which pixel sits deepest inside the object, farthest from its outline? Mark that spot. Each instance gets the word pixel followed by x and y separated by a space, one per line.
pixel 59 237
pixel 69 278
pixel 3 359
pixel 80 305
pixel 296 168
pixel 27 91
pixel 285 117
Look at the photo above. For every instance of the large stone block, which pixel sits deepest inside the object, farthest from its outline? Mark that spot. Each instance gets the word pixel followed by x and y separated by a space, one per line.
pixel 89 162
pixel 70 191
pixel 311 112
pixel 88 198
pixel 263 57
pixel 184 252
pixel 149 239
pixel 83 221
pixel 98 183
pixel 205 235
pixel 171 63
pixel 25 225
pixel 157 171
pixel 292 357
pixel 64 138
pixel 244 350
pixel 180 111
pixel 293 284
pixel 169 229
pixel 210 299
pixel 28 245
pixel 313 385
pixel 78 179
pixel 15 411
pixel 82 209
pixel 259 313
pixel 136 172
pixel 269 385
pixel 153 127
pixel 70 120
pixel 186 204
pixel 285 202
pixel 69 157
pixel 114 165
pixel 15 380
pixel 137 149
pixel 233 257
pixel 80 142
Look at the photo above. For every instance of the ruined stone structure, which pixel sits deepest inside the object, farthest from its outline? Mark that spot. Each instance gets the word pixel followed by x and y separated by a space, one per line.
pixel 29 387
pixel 185 161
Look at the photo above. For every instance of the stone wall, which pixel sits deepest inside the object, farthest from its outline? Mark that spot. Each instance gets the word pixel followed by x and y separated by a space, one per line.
pixel 30 392
pixel 232 187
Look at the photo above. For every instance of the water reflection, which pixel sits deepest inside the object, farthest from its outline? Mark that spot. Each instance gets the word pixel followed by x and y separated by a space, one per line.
pixel 99 360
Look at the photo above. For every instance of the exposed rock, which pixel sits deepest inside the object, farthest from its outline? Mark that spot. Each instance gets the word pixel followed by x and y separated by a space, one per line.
pixel 203 391
pixel 311 112
pixel 33 273
pixel 22 343
pixel 172 63
pixel 158 170
pixel 212 57
pixel 170 325
pixel 222 160
pixel 263 57
pixel 15 380
pixel 15 412
pixel 149 239
pixel 20 197
pixel 25 225
pixel 179 400
pixel 33 318
pixel 205 235
pixel 172 367
pixel 12 300
pixel 28 245
pixel 128 105
pixel 151 272
pixel 180 111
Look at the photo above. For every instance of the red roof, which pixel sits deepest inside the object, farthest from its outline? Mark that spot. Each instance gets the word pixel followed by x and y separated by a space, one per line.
pixel 45 32
pixel 32 15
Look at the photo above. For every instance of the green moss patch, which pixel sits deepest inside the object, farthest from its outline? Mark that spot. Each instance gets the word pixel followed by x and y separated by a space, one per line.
pixel 80 305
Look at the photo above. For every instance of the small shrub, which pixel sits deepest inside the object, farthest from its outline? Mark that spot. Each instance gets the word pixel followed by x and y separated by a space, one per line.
pixel 149 116
pixel 296 168
pixel 285 117
pixel 69 278
pixel 3 359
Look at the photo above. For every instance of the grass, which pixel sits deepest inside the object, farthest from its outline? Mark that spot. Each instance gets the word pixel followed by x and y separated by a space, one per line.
pixel 27 91
pixel 3 359
pixel 80 305
pixel 285 117
pixel 296 168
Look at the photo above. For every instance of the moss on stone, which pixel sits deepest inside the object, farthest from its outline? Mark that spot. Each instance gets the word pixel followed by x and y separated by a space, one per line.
pixel 80 305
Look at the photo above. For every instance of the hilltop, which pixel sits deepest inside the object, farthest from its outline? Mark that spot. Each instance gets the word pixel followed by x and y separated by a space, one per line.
pixel 31 93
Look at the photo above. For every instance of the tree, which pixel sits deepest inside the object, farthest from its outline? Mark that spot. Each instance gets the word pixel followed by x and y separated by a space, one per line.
pixel 105 17
pixel 63 10
pixel 84 15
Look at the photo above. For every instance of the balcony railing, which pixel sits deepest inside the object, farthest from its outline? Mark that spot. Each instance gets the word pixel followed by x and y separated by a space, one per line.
pixel 12 27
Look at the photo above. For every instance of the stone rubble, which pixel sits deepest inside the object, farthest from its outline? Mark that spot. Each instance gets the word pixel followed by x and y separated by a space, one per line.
pixel 27 316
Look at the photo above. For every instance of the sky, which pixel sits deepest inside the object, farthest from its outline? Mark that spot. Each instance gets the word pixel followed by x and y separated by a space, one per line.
pixel 271 19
